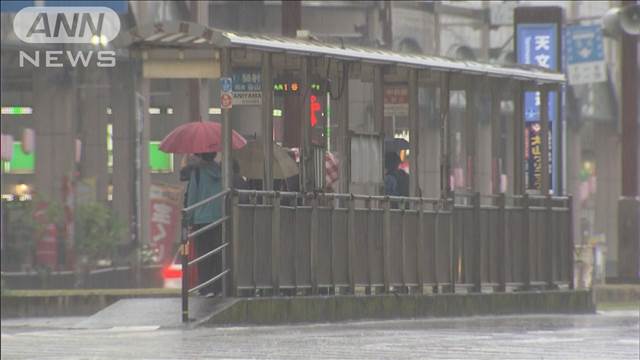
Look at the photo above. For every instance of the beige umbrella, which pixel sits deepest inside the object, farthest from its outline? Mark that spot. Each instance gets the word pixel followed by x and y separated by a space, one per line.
pixel 251 161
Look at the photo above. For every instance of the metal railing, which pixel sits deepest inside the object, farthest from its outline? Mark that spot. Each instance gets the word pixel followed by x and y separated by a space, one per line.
pixel 305 243
pixel 298 241
pixel 187 236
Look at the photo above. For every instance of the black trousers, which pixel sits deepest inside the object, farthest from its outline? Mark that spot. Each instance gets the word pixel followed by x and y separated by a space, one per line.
pixel 211 266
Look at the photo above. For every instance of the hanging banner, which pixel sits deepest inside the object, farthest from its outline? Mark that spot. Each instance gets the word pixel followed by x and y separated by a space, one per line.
pixel 47 238
pixel 164 220
pixel 537 45
pixel 538 42
pixel 533 154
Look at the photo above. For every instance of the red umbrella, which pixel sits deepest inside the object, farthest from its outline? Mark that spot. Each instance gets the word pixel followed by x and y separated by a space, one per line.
pixel 198 137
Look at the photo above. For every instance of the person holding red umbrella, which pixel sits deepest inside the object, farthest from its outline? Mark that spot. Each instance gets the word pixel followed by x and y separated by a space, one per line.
pixel 204 176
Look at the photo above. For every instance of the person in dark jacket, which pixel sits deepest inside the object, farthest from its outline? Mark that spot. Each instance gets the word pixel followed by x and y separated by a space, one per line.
pixel 391 162
pixel 205 180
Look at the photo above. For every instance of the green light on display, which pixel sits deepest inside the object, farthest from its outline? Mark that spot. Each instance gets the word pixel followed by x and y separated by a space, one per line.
pixel 16 110
pixel 20 163
pixel 159 161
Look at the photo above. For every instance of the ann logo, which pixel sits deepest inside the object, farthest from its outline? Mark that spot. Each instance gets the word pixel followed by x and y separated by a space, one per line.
pixel 39 25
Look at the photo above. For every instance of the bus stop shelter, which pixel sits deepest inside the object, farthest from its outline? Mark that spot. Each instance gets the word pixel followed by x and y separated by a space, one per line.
pixel 468 219
pixel 358 125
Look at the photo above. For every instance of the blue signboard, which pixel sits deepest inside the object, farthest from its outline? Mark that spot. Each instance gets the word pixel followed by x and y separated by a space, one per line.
pixel 537 45
pixel 225 84
pixel 584 44
pixel 585 55
pixel 247 80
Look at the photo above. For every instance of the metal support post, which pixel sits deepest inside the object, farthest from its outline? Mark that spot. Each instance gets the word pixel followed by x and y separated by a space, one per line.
pixel 570 245
pixel 548 253
pixel 525 249
pixel 275 245
pixel 477 254
pixel 386 242
pixel 518 141
pixel 235 247
pixel 184 256
pixel 453 258
pixel 414 128
pixel 307 177
pixel 227 179
pixel 445 141
pixel 502 243
pixel 544 130
pixel 351 223
pixel 267 120
pixel 313 245
pixel 420 248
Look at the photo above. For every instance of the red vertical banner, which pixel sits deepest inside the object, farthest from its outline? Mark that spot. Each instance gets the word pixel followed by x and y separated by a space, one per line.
pixel 164 220
pixel 47 242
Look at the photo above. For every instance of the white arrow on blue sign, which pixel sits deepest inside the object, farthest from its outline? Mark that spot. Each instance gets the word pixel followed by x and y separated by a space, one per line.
pixel 225 84
pixel 585 54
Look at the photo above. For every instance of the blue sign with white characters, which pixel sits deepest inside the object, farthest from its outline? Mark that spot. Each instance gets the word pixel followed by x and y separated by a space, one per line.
pixel 225 84
pixel 584 44
pixel 247 80
pixel 537 45
pixel 585 55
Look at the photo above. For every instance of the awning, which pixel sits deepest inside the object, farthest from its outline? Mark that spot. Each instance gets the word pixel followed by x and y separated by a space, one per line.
pixel 189 35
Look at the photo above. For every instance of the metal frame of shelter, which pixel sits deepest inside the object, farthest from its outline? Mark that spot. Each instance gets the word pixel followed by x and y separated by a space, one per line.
pixel 411 69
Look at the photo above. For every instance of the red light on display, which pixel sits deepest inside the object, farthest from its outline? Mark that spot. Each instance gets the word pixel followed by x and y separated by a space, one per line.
pixel 315 107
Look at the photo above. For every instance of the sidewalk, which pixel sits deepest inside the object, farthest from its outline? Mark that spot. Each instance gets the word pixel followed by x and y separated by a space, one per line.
pixel 617 293
pixel 73 302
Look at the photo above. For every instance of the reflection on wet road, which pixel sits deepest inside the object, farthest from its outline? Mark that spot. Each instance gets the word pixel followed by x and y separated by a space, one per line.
pixel 607 335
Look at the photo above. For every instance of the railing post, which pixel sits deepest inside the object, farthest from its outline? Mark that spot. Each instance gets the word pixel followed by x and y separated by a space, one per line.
pixel 184 254
pixel 403 237
pixel 453 256
pixel 436 238
pixel 351 243
pixel 526 256
pixel 225 239
pixel 254 259
pixel 570 244
pixel 549 264
pixel 275 244
pixel 369 222
pixel 478 245
pixel 502 243
pixel 386 241
pixel 332 214
pixel 420 248
pixel 235 248
pixel 313 245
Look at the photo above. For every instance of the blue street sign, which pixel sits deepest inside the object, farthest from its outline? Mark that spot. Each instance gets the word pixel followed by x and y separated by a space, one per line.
pixel 537 45
pixel 225 84
pixel 247 80
pixel 584 44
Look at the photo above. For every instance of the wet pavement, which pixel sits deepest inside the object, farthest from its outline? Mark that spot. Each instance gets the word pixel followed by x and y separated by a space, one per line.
pixel 606 335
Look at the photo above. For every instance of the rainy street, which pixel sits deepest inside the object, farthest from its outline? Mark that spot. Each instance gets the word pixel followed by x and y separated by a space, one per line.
pixel 606 335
